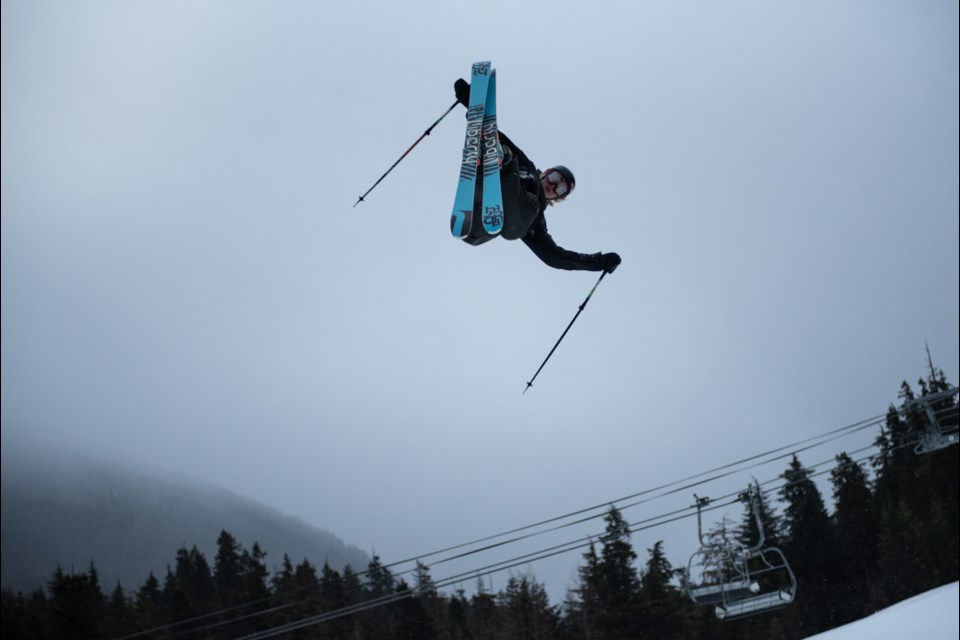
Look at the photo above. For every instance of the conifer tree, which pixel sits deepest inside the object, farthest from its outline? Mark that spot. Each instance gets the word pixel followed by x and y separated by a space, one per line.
pixel 805 515
pixel 458 617
pixel 331 588
pixel 425 585
pixel 13 616
pixel 618 582
pixel 77 604
pixel 917 496
pixel 379 584
pixel 176 604
pixel 282 581
pixel 195 579
pixel 228 570
pixel 306 589
pixel 615 581
pixel 748 534
pixel 352 594
pixel 39 616
pixel 254 574
pixel 938 474
pixel 412 621
pixel 148 603
pixel 484 613
pixel 527 609
pixel 582 606
pixel 426 592
pixel 379 578
pixel 305 578
pixel 663 611
pixel 333 598
pixel 712 564
pixel 118 612
pixel 809 547
pixel 858 528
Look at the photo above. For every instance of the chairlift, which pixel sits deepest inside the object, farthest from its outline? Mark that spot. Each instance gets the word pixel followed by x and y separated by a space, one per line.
pixel 738 580
pixel 940 429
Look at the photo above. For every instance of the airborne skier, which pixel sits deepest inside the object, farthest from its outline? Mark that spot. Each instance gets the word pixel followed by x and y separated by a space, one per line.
pixel 527 192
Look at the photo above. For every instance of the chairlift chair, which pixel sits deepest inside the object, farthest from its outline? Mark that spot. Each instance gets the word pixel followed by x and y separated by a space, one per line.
pixel 737 580
pixel 940 429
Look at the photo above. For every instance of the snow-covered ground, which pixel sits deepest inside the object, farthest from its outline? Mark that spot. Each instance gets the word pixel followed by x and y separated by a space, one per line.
pixel 934 615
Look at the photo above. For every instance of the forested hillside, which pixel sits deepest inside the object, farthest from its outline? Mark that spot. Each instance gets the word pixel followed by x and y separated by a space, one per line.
pixel 71 509
pixel 892 532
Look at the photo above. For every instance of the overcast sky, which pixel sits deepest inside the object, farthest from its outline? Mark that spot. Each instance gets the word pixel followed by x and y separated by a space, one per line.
pixel 185 283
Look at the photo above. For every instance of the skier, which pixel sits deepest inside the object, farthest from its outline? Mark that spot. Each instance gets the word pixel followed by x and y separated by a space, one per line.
pixel 527 192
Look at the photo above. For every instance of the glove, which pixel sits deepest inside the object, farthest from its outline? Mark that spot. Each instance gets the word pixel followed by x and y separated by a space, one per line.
pixel 610 262
pixel 462 88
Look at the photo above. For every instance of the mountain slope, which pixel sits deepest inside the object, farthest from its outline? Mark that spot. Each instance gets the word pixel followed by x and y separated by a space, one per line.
pixel 63 508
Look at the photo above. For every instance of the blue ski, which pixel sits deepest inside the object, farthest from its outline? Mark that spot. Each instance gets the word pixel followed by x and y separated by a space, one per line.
pixel 492 197
pixel 461 220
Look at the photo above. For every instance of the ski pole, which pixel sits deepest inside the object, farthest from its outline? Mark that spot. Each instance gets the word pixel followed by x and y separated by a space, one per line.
pixel 422 136
pixel 530 384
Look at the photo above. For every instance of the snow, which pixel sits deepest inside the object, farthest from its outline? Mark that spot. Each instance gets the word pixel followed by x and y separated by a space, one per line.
pixel 934 615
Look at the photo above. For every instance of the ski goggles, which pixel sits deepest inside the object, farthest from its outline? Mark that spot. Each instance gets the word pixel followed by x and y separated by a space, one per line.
pixel 558 182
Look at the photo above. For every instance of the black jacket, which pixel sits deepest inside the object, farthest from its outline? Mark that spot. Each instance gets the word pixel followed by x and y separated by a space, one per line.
pixel 524 204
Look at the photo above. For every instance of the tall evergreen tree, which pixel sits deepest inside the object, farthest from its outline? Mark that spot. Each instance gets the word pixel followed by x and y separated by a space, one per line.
pixel 412 620
pixel 663 612
pixel 379 585
pixel 352 595
pixel 148 604
pixel 426 588
pixel 331 588
pixel 282 581
pixel 255 574
pixel 430 600
pixel 195 579
pixel 527 609
pixel 614 581
pixel 458 617
pixel 305 578
pixel 748 534
pixel 582 606
pixel 228 570
pixel 939 475
pixel 379 578
pixel 485 622
pixel 176 604
pixel 712 565
pixel 23 618
pixel 333 598
pixel 858 529
pixel 306 588
pixel 77 604
pixel 119 614
pixel 917 497
pixel 809 548
pixel 618 582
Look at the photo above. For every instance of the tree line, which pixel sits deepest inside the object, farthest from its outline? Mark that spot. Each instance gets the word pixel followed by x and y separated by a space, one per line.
pixel 893 533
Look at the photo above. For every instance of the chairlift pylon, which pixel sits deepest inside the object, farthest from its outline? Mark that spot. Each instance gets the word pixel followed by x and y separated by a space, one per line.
pixel 738 580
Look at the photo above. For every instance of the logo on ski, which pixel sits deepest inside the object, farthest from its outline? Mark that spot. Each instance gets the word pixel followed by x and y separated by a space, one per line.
pixel 493 216
pixel 471 147
pixel 481 68
pixel 491 148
